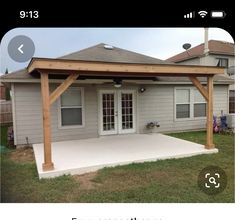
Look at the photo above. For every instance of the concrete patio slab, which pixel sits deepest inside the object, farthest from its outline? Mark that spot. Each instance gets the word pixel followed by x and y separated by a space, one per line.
pixel 87 155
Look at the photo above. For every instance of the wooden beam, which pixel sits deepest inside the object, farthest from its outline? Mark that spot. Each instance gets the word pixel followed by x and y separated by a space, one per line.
pixel 122 68
pixel 47 165
pixel 209 125
pixel 199 86
pixel 62 87
pixel 58 73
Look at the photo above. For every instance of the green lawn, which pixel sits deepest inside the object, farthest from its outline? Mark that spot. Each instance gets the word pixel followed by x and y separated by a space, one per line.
pixel 172 180
pixel 3 129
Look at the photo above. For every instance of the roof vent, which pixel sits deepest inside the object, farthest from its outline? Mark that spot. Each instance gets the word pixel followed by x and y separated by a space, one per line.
pixel 108 47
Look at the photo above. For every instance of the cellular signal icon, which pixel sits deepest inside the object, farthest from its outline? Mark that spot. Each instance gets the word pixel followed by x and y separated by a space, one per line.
pixel 190 15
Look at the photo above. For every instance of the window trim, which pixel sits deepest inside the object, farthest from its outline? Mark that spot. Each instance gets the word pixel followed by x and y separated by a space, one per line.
pixel 229 90
pixel 194 102
pixel 191 105
pixel 182 103
pixel 59 107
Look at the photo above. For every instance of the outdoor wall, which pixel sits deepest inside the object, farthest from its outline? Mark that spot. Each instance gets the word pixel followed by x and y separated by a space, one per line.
pixel 157 104
pixel 29 116
pixel 212 60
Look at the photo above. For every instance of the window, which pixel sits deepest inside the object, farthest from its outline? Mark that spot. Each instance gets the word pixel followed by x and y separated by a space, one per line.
pixel 189 104
pixel 183 103
pixel 232 101
pixel 71 107
pixel 223 62
pixel 199 104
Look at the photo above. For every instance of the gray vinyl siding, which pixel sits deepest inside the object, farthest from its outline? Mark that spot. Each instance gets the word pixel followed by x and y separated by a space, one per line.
pixel 29 116
pixel 157 104
pixel 221 101
pixel 194 61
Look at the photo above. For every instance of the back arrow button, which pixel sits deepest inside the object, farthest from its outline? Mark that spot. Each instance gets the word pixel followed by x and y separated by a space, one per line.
pixel 20 48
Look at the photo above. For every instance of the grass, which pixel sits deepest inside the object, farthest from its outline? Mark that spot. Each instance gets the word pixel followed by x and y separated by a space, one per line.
pixel 3 129
pixel 173 180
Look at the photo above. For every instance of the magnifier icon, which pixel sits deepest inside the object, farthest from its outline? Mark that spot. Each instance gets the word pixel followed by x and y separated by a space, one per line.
pixel 212 180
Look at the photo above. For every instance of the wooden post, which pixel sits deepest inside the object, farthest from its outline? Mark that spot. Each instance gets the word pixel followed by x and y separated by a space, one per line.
pixel 47 165
pixel 209 125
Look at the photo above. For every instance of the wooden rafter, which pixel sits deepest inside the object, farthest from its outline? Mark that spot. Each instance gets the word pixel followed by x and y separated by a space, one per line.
pixel 199 86
pixel 62 87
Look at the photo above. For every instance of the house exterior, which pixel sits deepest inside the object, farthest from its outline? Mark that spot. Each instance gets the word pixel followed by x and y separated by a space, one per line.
pixel 212 53
pixel 93 107
pixel 105 90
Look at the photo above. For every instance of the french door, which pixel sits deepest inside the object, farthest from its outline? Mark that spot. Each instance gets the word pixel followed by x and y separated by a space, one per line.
pixel 117 111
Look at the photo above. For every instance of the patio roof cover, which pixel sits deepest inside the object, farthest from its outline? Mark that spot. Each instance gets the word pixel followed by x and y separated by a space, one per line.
pixel 101 60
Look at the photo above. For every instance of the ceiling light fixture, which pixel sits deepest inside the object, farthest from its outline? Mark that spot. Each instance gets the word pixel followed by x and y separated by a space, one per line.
pixel 117 83
pixel 142 89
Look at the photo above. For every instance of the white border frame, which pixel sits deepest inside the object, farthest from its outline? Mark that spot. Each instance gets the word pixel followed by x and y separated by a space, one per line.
pixel 60 126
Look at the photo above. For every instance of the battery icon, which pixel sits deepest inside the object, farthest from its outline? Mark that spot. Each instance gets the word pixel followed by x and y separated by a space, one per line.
pixel 218 14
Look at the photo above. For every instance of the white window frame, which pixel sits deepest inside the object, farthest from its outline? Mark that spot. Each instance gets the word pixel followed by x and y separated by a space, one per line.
pixel 191 105
pixel 60 126
pixel 183 103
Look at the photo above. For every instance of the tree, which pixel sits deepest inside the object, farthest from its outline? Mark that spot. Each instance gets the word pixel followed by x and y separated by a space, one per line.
pixel 7 90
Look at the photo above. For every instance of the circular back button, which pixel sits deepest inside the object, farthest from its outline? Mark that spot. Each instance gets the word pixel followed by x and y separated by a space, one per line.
pixel 21 48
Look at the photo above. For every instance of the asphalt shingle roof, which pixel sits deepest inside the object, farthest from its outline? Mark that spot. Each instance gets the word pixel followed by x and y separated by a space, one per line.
pixel 114 55
pixel 215 47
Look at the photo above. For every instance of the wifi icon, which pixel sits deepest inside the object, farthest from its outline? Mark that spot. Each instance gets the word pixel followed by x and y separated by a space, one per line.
pixel 202 13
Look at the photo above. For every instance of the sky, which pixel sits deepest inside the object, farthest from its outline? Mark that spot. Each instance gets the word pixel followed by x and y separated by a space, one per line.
pixel 160 43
